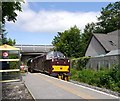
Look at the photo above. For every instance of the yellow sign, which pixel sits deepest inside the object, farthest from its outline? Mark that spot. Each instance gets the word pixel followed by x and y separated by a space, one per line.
pixel 60 68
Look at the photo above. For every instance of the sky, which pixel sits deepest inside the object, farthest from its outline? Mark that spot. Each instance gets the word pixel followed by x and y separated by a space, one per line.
pixel 39 22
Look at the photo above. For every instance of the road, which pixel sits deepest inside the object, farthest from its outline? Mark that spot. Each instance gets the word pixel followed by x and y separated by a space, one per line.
pixel 45 87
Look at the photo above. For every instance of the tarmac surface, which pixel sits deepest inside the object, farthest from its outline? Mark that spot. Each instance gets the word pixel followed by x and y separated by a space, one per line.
pixel 42 86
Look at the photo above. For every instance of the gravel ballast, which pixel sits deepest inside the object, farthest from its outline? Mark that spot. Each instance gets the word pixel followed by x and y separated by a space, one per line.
pixel 15 90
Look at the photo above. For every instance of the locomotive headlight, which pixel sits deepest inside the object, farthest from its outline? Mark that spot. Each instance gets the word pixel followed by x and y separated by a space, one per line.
pixel 68 60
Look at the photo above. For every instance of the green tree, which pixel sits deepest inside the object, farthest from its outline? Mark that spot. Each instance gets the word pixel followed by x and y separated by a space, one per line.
pixel 68 42
pixel 11 42
pixel 109 19
pixel 5 40
pixel 9 10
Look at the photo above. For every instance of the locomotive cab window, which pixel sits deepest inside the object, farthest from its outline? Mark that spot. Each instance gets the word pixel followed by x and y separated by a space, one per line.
pixel 59 55
pixel 49 55
pixel 54 54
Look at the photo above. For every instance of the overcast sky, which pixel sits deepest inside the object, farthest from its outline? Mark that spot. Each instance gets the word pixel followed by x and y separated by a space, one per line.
pixel 39 22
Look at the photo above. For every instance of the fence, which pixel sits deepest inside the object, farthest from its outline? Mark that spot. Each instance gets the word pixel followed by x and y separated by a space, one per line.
pixel 103 61
pixel 9 63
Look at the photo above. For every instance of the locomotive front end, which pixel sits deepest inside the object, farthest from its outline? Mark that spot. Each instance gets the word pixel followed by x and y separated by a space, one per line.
pixel 60 65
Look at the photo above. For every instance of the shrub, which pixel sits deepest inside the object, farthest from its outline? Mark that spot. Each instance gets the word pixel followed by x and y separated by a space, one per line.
pixel 107 78
pixel 13 65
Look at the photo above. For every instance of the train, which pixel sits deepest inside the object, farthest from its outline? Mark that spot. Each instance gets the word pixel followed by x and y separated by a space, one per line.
pixel 53 63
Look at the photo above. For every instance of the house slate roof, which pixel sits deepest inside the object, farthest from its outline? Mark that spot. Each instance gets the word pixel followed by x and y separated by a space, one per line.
pixel 113 52
pixel 109 41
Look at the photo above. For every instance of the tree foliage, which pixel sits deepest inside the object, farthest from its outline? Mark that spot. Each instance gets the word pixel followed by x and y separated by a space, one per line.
pixel 68 42
pixel 110 18
pixel 9 10
pixel 5 40
pixel 108 21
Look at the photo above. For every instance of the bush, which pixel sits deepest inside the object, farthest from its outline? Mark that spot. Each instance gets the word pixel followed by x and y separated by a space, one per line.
pixel 106 78
pixel 13 65
pixel 74 73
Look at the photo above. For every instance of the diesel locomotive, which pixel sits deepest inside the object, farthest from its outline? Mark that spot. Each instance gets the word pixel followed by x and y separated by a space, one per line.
pixel 53 63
